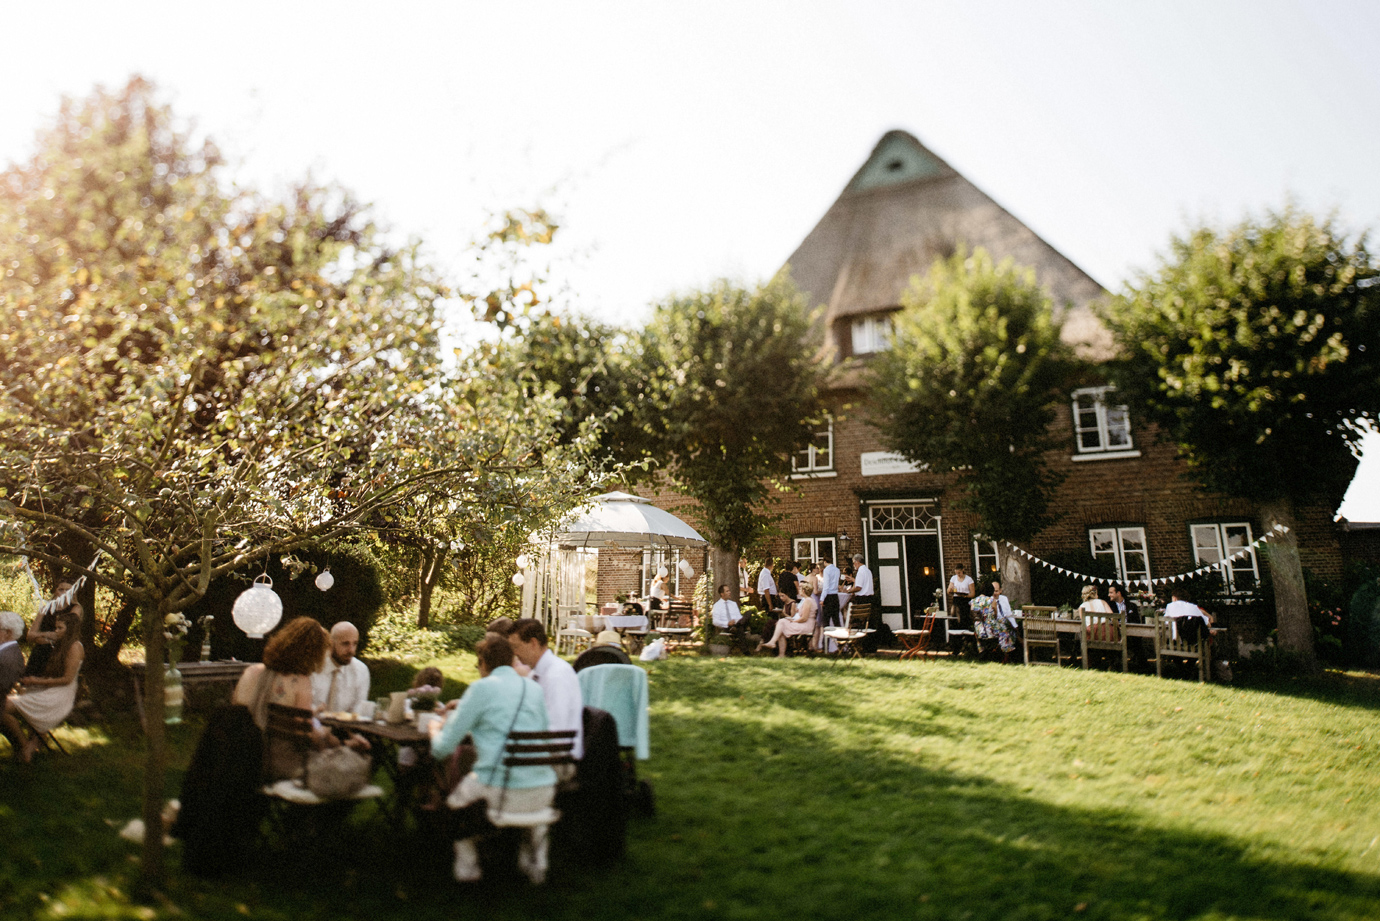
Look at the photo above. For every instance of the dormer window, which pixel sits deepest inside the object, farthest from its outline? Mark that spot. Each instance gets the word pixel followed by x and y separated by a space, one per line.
pixel 1101 428
pixel 871 334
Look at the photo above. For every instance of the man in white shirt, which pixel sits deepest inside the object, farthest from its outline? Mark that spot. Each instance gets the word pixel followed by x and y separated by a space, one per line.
pixel 342 686
pixel 766 587
pixel 565 705
pixel 1182 613
pixel 1001 605
pixel 829 595
pixel 862 587
pixel 727 618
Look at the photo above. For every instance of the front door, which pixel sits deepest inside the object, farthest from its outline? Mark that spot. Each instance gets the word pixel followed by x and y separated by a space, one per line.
pixel 923 573
pixel 903 551
pixel 889 576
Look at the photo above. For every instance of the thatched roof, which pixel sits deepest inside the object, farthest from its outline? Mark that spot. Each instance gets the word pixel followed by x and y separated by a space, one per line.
pixel 906 208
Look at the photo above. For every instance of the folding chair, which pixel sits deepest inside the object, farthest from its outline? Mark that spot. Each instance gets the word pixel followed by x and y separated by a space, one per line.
pixel 287 746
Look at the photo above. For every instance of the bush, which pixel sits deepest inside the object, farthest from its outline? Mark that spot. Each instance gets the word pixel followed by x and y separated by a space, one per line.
pixel 396 634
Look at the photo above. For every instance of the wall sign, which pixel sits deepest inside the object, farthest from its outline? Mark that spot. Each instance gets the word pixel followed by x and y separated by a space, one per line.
pixel 882 463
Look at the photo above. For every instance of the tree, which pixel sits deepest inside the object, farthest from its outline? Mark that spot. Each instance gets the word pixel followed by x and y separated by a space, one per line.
pixel 969 385
pixel 733 391
pixel 1256 349
pixel 193 378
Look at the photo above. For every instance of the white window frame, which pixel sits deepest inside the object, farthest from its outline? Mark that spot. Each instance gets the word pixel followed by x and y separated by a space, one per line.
pixel 984 549
pixel 807 461
pixel 1214 541
pixel 1109 425
pixel 871 335
pixel 652 560
pixel 1119 551
pixel 807 550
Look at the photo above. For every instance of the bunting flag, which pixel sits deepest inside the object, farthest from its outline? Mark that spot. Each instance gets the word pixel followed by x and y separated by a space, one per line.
pixel 41 600
pixel 1278 530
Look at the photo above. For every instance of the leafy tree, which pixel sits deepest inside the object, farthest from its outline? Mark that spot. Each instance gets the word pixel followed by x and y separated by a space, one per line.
pixel 733 391
pixel 969 386
pixel 194 378
pixel 1256 349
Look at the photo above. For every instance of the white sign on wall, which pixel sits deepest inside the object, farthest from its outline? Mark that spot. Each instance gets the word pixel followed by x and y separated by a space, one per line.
pixel 881 463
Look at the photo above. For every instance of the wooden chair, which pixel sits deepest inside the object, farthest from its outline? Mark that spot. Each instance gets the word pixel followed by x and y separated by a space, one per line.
pixel 533 749
pixel 678 613
pixel 917 642
pixel 287 747
pixel 1167 645
pixel 859 613
pixel 1038 628
pixel 1104 631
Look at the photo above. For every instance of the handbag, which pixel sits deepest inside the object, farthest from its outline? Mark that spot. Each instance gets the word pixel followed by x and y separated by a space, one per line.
pixel 336 773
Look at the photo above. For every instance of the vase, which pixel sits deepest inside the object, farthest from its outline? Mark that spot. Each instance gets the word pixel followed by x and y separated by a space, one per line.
pixel 172 696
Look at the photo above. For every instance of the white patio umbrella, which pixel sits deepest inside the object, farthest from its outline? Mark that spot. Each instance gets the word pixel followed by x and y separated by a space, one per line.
pixel 621 520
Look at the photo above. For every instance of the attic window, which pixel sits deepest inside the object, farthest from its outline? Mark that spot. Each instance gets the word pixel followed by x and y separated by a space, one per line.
pixel 896 166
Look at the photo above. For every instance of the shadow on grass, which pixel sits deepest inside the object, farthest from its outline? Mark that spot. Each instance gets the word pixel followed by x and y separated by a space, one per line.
pixel 759 818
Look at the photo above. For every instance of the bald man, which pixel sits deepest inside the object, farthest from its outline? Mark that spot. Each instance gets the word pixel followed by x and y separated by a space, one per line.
pixel 342 686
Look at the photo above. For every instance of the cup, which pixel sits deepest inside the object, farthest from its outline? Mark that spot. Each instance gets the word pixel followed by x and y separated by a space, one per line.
pixel 380 708
pixel 366 710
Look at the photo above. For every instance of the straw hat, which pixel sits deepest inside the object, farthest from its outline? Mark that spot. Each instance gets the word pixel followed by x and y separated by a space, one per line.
pixel 609 638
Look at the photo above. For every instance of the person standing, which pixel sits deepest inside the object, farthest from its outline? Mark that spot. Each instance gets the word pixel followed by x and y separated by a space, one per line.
pixel 43 633
pixel 862 590
pixel 342 685
pixel 766 587
pixel 961 592
pixel 790 588
pixel 828 600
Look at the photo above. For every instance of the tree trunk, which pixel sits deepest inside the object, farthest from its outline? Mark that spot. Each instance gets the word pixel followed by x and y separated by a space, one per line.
pixel 1015 577
pixel 724 564
pixel 428 575
pixel 108 653
pixel 155 760
pixel 1286 574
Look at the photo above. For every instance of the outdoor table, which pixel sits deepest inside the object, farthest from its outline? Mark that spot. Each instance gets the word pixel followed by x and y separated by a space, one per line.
pixel 385 739
pixel 194 674
pixel 626 622
pixel 848 641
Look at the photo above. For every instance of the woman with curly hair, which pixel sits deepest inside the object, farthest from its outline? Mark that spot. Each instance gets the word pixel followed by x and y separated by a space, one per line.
pixel 48 697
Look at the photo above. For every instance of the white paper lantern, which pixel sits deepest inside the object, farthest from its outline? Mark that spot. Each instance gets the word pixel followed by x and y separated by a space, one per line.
pixel 258 609
pixel 686 569
pixel 519 578
pixel 325 580
pixel 522 561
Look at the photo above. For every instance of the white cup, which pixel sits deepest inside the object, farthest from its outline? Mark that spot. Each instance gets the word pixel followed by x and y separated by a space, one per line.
pixel 366 710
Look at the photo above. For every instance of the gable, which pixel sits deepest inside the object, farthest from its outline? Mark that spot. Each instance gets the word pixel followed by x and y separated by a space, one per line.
pixel 896 159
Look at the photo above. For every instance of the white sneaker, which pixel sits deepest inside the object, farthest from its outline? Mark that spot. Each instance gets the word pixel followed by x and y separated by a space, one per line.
pixel 466 861
pixel 532 856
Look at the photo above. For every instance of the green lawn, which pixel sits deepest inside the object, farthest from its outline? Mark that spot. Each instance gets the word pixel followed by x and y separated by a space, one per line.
pixel 804 789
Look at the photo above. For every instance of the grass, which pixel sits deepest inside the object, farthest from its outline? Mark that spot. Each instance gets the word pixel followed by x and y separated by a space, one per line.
pixel 801 789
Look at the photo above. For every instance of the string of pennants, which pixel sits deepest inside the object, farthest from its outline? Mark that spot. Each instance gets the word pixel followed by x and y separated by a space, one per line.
pixel 46 605
pixel 1278 530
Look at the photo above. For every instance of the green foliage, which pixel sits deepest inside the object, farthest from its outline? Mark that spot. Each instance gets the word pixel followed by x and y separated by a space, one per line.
pixel 734 390
pixel 396 634
pixel 1048 587
pixel 1256 349
pixel 970 383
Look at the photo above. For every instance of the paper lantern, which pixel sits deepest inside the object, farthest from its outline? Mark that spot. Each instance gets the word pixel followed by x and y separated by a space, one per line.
pixel 686 570
pixel 519 578
pixel 258 609
pixel 522 561
pixel 325 580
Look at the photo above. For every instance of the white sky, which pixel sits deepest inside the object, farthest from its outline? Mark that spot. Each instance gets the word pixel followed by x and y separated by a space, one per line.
pixel 680 142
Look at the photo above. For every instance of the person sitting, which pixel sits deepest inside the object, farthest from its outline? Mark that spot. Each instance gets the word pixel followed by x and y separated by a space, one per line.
pixel 1189 621
pixel 559 685
pixel 342 685
pixel 48 697
pixel 726 617
pixel 43 634
pixel 1091 608
pixel 500 702
pixel 802 624
pixel 11 669
pixel 291 657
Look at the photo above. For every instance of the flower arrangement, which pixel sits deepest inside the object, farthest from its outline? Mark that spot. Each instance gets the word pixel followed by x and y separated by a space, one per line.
pixel 424 698
pixel 175 627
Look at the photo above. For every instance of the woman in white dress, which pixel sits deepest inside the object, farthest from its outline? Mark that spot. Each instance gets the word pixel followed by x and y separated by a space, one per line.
pixel 802 624
pixel 48 697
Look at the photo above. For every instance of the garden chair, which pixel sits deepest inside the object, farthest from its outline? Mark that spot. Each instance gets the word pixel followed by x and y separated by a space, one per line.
pixel 917 642
pixel 1106 632
pixel 1038 628
pixel 530 749
pixel 287 746
pixel 621 691
pixel 1166 644
pixel 570 639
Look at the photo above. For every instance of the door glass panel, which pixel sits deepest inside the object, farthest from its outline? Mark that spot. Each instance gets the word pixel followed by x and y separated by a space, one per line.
pixel 889 581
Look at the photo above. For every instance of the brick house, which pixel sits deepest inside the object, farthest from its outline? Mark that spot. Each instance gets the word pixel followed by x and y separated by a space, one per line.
pixel 1125 496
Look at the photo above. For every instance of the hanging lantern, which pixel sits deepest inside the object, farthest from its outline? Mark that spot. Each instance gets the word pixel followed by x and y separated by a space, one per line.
pixel 258 609
pixel 523 561
pixel 325 580
pixel 519 578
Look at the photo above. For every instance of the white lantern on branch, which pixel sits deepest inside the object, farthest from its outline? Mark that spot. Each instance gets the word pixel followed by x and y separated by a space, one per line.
pixel 325 580
pixel 258 609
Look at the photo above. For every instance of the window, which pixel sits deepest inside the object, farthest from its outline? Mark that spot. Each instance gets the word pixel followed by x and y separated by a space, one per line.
pixel 652 560
pixel 809 549
pixel 819 454
pixel 984 556
pixel 1126 548
pixel 871 334
pixel 1213 543
pixel 1100 428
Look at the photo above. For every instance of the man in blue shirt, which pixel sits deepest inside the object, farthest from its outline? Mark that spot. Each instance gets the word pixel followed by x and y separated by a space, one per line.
pixel 500 702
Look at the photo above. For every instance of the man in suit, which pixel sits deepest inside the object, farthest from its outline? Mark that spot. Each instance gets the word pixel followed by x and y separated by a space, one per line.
pixel 1123 605
pixel 11 667
pixel 1139 649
